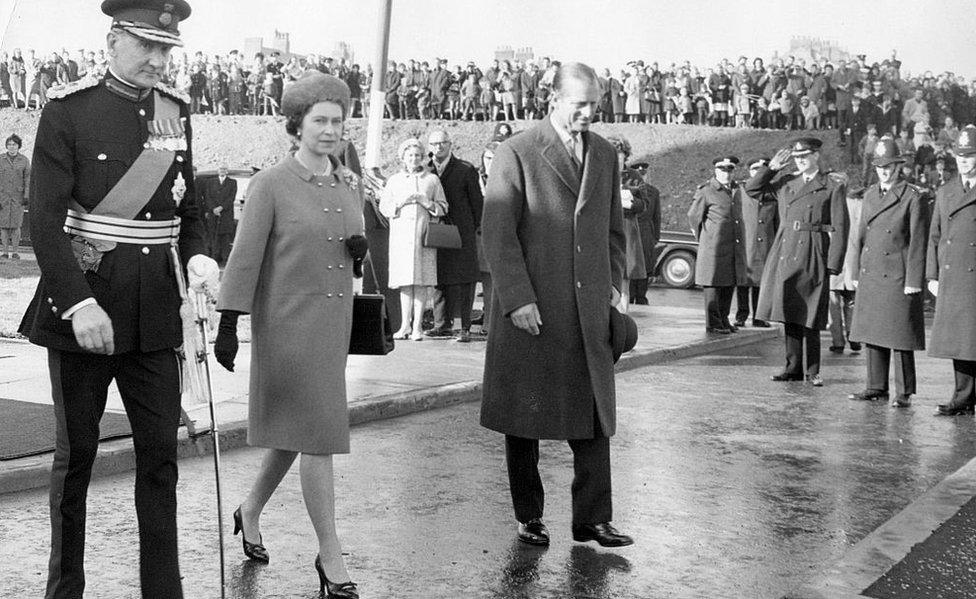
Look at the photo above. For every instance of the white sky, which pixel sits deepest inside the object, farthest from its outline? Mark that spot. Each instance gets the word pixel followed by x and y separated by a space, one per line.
pixel 932 35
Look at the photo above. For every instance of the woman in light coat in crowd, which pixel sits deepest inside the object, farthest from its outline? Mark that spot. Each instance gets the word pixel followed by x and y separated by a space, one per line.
pixel 410 199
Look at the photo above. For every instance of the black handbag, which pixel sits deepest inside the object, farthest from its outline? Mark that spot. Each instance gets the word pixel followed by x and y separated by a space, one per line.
pixel 372 334
pixel 443 236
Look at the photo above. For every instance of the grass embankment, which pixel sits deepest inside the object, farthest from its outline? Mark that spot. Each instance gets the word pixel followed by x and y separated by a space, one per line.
pixel 18 280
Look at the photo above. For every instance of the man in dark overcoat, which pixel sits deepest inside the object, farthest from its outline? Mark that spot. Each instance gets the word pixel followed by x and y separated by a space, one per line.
pixel 111 200
pixel 888 270
pixel 440 81
pixel 649 224
pixel 760 220
pixel 457 269
pixel 715 217
pixel 218 196
pixel 950 270
pixel 554 239
pixel 795 287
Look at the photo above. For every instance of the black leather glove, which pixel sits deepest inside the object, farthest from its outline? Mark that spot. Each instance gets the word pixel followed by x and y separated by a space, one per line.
pixel 225 347
pixel 357 245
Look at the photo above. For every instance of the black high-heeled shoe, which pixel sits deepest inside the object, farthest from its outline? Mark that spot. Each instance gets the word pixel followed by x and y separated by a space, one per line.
pixel 342 590
pixel 255 551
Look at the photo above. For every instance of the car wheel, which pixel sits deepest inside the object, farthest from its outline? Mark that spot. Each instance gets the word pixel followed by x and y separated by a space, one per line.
pixel 678 269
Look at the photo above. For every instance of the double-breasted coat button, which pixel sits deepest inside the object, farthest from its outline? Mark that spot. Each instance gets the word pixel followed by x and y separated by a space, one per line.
pixel 145 251
pixel 341 238
pixel 102 157
pixel 179 158
pixel 325 209
pixel 340 295
pixel 332 184
pixel 341 266
pixel 338 209
pixel 579 285
pixel 329 267
pixel 328 239
pixel 50 301
pixel 142 112
pixel 328 295
pixel 148 215
pixel 146 145
pixel 579 249
pixel 54 309
pixel 320 184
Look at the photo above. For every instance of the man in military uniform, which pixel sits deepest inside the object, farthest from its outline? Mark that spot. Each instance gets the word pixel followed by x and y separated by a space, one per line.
pixel 888 270
pixel 112 207
pixel 794 288
pixel 760 220
pixel 950 270
pixel 715 218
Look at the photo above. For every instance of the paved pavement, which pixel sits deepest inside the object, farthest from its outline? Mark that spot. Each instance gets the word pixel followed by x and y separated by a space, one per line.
pixel 415 376
pixel 734 486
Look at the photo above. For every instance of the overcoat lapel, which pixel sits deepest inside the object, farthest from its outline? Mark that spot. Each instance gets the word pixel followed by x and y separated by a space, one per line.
pixel 965 198
pixel 557 157
pixel 590 175
pixel 451 163
pixel 890 199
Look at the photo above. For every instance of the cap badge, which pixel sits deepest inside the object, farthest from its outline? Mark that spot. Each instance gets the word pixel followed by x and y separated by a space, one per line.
pixel 880 150
pixel 166 18
pixel 964 139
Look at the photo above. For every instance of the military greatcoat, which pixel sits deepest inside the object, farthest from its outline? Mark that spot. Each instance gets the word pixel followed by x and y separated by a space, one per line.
pixel 715 218
pixel 952 262
pixel 794 287
pixel 889 255
pixel 760 221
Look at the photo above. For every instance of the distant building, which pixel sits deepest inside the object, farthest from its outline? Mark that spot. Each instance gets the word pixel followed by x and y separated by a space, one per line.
pixel 281 43
pixel 344 51
pixel 813 49
pixel 520 55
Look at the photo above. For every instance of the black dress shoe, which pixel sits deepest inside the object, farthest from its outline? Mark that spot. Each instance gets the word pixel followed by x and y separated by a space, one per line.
pixel 733 328
pixel 836 349
pixel 855 346
pixel 762 324
pixel 254 551
pixel 603 533
pixel 435 332
pixel 740 323
pixel 533 532
pixel 869 395
pixel 786 376
pixel 815 380
pixel 901 401
pixel 951 409
pixel 718 330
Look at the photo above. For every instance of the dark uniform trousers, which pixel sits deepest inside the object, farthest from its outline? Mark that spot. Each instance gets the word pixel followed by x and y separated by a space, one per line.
pixel 149 386
pixel 742 297
pixel 965 375
pixel 796 336
pixel 451 301
pixel 879 361
pixel 718 303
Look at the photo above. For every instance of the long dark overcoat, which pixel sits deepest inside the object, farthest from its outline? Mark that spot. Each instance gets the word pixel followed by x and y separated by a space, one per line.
pixel 889 255
pixel 795 287
pixel 556 240
pixel 464 204
pixel 715 217
pixel 760 221
pixel 952 261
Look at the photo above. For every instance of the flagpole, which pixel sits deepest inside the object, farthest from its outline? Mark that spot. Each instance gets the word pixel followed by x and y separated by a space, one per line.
pixel 377 94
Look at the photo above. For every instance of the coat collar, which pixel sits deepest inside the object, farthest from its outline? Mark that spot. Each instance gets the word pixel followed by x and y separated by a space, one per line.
pixel 557 157
pixel 306 175
pixel 959 198
pixel 879 203
pixel 800 189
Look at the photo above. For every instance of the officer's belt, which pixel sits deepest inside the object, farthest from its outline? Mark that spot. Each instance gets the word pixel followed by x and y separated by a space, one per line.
pixel 817 228
pixel 122 230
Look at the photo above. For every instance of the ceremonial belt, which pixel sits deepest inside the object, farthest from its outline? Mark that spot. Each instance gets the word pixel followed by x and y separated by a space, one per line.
pixel 122 230
pixel 815 227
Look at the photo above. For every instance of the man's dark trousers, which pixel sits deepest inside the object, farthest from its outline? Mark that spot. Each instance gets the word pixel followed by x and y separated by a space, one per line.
pixel 718 303
pixel 453 300
pixel 149 386
pixel 879 362
pixel 796 336
pixel 742 296
pixel 592 501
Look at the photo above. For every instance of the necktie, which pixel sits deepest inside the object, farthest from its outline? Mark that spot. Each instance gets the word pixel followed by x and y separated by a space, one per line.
pixel 574 153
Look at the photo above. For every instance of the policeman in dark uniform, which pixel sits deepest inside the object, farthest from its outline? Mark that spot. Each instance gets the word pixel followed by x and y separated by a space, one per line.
pixel 112 209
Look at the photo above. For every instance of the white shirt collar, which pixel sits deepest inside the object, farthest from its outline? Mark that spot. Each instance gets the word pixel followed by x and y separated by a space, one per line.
pixel 440 166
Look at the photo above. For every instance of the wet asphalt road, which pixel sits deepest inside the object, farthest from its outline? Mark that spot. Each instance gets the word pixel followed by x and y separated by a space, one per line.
pixel 733 486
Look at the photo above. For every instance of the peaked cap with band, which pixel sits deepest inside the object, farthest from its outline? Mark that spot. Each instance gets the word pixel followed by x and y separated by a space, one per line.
pixel 154 20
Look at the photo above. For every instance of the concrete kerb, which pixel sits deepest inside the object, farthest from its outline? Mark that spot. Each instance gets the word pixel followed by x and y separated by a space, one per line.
pixel 117 456
pixel 870 558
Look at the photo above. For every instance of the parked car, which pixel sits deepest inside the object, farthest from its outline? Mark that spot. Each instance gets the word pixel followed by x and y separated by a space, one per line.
pixel 677 252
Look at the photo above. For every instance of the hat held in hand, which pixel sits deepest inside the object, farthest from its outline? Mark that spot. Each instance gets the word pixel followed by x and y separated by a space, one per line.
pixel 623 333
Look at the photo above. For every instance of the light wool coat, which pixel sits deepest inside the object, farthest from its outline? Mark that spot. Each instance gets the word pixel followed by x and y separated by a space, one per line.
pixel 410 262
pixel 291 271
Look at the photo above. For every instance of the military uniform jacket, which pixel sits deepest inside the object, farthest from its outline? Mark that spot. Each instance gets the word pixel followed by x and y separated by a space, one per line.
pixel 86 141
pixel 794 287
pixel 952 262
pixel 889 255
pixel 760 220
pixel 715 218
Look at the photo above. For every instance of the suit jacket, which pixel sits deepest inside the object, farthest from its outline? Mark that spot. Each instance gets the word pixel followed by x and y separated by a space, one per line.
pixel 85 142
pixel 464 205
pixel 554 238
pixel 214 194
pixel 794 287
pixel 889 255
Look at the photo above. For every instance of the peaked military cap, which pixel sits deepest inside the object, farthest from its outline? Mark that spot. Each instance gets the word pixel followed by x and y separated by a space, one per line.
pixel 886 152
pixel 966 143
pixel 759 161
pixel 802 146
pixel 725 162
pixel 154 20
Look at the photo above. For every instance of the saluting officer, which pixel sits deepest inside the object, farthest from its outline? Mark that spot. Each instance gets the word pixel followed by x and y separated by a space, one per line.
pixel 760 220
pixel 112 207
pixel 888 270
pixel 951 271
pixel 795 287
pixel 715 218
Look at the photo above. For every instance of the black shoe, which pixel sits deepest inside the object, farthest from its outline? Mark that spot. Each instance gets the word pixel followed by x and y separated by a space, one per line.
pixel 855 346
pixel 762 324
pixel 533 532
pixel 902 401
pixel 463 336
pixel 951 409
pixel 342 590
pixel 836 349
pixel 255 551
pixel 733 328
pixel 478 321
pixel 786 376
pixel 718 330
pixel 603 533
pixel 740 323
pixel 641 301
pixel 869 395
pixel 435 332
pixel 815 380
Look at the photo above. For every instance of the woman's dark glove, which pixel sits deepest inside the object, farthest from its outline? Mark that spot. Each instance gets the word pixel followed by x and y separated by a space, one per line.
pixel 357 246
pixel 225 347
